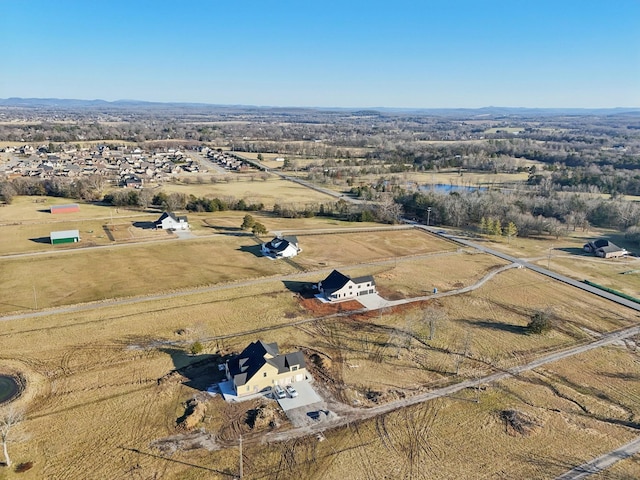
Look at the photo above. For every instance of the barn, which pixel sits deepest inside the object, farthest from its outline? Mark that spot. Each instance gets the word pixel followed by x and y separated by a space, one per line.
pixel 64 236
pixel 69 208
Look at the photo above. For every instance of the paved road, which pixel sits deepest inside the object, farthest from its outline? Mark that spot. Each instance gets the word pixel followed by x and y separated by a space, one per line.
pixel 602 462
pixel 206 162
pixel 536 268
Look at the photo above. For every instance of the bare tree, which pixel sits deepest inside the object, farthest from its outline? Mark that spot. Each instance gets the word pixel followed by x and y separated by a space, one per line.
pixel 434 316
pixel 10 420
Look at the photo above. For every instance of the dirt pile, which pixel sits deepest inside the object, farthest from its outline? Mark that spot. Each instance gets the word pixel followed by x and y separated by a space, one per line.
pixel 193 414
pixel 518 423
pixel 262 417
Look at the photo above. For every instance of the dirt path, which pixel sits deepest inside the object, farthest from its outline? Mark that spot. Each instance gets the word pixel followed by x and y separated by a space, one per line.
pixel 603 462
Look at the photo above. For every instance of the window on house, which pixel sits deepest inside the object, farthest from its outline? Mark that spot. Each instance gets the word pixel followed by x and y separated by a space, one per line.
pixel 264 374
pixel 294 368
pixel 350 286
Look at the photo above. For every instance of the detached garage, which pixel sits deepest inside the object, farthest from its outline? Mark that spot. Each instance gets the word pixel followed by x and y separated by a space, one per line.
pixel 65 236
pixel 69 208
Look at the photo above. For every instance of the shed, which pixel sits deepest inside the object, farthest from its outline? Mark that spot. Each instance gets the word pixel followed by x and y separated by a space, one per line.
pixel 65 236
pixel 69 208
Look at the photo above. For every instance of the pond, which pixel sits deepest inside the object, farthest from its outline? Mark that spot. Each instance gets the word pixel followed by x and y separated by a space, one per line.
pixel 448 188
pixel 8 388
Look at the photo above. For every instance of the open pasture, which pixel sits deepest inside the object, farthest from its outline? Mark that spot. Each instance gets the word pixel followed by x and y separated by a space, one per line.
pixel 110 365
pixel 241 186
pixel 130 270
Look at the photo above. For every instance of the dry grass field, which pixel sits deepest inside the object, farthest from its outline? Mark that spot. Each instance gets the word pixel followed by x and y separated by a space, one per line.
pixel 270 192
pixel 139 269
pixel 106 383
pixel 454 438
pixel 566 256
pixel 101 390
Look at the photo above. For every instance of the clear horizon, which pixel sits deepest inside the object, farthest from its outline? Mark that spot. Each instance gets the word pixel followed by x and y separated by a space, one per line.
pixel 413 55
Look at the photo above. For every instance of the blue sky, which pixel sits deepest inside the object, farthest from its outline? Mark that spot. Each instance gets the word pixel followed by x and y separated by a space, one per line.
pixel 423 54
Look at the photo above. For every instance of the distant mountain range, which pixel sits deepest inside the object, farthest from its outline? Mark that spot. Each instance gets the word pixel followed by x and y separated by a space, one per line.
pixel 62 103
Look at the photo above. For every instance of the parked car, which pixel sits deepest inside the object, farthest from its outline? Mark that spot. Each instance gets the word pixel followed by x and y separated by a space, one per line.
pixel 279 392
pixel 291 391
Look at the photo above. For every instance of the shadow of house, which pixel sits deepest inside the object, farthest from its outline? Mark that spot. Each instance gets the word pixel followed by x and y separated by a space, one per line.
pixel 573 251
pixel 199 371
pixel 304 289
pixel 252 249
pixel 145 225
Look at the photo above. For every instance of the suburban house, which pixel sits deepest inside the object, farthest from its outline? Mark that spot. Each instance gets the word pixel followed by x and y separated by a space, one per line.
pixel 260 366
pixel 337 286
pixel 64 236
pixel 170 221
pixel 604 248
pixel 281 247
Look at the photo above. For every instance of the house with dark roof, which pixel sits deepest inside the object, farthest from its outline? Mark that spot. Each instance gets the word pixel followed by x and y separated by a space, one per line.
pixel 261 366
pixel 281 247
pixel 337 287
pixel 604 248
pixel 171 221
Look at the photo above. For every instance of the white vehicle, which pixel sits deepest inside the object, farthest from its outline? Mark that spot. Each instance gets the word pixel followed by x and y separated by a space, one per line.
pixel 291 391
pixel 279 392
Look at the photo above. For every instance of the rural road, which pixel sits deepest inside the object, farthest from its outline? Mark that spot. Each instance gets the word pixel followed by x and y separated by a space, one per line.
pixel 602 462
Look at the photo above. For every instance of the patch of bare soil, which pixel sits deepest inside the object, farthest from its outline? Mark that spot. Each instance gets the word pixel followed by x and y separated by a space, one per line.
pixel 518 423
pixel 186 441
pixel 319 308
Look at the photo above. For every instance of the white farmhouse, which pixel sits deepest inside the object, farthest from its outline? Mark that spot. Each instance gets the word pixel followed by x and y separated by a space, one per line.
pixel 281 247
pixel 170 221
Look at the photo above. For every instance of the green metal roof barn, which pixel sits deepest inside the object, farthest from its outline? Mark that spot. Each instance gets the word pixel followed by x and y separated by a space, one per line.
pixel 65 236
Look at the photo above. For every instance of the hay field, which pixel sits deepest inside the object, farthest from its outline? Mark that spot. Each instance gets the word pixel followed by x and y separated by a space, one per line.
pixel 230 220
pixel 97 274
pixel 27 209
pixel 335 249
pixel 270 192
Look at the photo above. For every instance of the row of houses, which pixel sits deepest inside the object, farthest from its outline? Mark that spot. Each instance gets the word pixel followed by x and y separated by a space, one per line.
pixel 125 167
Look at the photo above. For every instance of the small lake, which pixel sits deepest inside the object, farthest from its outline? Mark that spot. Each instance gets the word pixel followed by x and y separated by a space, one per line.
pixel 448 188
pixel 8 388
